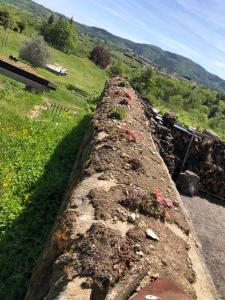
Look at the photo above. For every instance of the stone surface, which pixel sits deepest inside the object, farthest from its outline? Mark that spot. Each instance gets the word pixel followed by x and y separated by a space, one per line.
pixel 151 234
pixel 188 183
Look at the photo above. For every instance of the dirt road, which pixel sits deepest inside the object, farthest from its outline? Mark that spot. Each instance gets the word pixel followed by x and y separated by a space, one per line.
pixel 208 217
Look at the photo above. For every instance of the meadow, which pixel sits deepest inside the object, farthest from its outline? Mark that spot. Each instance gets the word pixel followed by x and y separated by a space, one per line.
pixel 36 157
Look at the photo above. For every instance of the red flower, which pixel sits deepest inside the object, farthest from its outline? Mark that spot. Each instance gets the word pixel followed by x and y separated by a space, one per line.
pixel 160 199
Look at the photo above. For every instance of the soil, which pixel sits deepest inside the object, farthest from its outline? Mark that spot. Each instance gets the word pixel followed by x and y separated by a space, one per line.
pixel 101 232
pixel 37 110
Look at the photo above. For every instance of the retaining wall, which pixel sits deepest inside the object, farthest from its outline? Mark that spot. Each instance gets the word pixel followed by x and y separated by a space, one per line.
pixel 102 245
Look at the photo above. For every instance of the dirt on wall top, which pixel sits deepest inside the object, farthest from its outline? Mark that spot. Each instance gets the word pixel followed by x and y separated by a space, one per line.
pixel 122 220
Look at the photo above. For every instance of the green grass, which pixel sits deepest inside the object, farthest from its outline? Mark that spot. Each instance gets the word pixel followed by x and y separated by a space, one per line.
pixel 36 159
pixel 82 72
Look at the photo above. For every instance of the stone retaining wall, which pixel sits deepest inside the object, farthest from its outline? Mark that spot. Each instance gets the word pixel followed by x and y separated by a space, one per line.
pixel 122 222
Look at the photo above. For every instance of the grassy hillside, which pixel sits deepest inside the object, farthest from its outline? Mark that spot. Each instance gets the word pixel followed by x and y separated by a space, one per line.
pixel 173 62
pixel 37 155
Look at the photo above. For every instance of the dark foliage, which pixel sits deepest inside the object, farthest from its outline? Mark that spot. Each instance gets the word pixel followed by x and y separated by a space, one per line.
pixel 100 56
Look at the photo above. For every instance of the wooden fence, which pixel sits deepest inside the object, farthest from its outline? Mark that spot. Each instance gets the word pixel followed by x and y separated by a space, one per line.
pixel 57 109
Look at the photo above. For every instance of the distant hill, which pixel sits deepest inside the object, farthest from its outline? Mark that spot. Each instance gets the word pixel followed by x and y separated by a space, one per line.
pixel 173 62
pixel 30 6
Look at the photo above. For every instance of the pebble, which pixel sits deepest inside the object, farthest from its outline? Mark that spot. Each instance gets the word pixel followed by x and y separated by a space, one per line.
pixel 164 262
pixel 152 247
pixel 132 217
pixel 126 167
pixel 150 233
pixel 124 155
pixel 162 179
pixel 140 253
pixel 155 276
pixel 115 219
pixel 101 136
pixel 197 244
pixel 176 203
pixel 131 264
pixel 137 247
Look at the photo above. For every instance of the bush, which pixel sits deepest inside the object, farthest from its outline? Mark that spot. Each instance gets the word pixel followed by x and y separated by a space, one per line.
pixel 35 52
pixel 118 68
pixel 118 113
pixel 142 80
pixel 100 56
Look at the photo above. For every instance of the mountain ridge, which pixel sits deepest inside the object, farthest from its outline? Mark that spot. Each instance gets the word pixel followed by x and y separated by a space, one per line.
pixel 163 58
pixel 174 63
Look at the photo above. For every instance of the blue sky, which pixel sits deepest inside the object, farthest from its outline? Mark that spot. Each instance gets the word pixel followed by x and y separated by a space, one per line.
pixel 192 28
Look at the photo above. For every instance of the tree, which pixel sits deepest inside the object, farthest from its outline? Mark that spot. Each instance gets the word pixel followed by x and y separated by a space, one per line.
pixel 7 24
pixel 35 52
pixel 51 19
pixel 142 80
pixel 100 56
pixel 146 77
pixel 21 25
pixel 62 34
pixel 4 15
pixel 71 21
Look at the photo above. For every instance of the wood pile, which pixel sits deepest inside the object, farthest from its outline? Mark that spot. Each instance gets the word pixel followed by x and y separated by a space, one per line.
pixel 206 157
pixel 207 160
pixel 164 140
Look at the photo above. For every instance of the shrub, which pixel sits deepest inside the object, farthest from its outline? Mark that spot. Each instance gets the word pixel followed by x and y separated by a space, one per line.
pixel 118 68
pixel 118 113
pixel 35 52
pixel 100 56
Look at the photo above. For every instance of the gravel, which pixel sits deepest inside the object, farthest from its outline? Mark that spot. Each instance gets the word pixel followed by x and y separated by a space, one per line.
pixel 208 217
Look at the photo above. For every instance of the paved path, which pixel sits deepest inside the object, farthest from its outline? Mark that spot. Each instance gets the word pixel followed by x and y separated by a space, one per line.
pixel 208 217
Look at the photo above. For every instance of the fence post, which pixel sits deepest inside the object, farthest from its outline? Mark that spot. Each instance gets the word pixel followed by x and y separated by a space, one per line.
pixel 187 152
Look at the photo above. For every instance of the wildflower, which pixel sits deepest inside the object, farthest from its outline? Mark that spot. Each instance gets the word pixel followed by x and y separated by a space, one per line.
pixel 160 199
